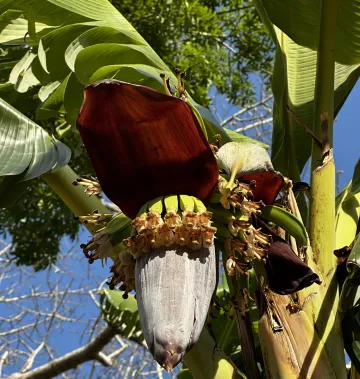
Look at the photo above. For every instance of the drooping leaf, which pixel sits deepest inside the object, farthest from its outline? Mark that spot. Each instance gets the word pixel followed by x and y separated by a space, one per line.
pixel 53 46
pixel 53 106
pixel 48 89
pixel 97 35
pixel 102 36
pixel 92 58
pixel 14 29
pixel 25 148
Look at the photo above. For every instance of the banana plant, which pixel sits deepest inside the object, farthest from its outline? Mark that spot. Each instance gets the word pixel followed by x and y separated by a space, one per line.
pixel 194 197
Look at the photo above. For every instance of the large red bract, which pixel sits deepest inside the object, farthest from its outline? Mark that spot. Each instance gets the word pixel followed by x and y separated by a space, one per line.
pixel 144 144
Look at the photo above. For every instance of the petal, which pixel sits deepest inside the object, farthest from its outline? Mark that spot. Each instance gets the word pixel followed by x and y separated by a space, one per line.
pixel 286 272
pixel 144 144
pixel 243 158
pixel 268 185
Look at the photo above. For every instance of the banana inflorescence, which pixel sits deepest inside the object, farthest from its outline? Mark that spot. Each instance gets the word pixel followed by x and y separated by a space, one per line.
pixel 166 221
pixel 241 240
pixel 171 220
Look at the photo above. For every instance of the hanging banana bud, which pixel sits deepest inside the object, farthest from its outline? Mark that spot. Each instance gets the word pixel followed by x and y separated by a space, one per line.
pixel 174 287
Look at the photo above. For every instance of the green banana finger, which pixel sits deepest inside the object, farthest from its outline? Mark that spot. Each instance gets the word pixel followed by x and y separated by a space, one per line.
pixel 187 203
pixel 199 205
pixel 156 205
pixel 171 203
pixel 285 220
pixel 221 214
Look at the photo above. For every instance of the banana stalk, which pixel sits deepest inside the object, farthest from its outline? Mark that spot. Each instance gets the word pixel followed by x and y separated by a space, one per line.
pixel 290 345
pixel 75 198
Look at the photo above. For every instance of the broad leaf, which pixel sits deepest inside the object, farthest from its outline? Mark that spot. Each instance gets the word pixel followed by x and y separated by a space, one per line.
pixel 121 313
pixel 93 58
pixel 300 20
pixel 95 41
pixel 25 148
pixel 95 36
pixel 293 84
pixel 348 211
pixel 14 29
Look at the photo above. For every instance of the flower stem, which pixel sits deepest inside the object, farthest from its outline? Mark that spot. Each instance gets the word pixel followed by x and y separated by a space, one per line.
pixel 74 197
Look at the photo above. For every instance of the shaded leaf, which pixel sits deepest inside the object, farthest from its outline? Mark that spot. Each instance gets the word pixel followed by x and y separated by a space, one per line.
pixel 294 85
pixel 97 35
pixel 14 29
pixel 93 58
pixel 238 137
pixel 300 20
pixel 121 313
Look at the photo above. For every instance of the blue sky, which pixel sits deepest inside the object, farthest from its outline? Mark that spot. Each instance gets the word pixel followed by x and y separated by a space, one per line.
pixel 347 137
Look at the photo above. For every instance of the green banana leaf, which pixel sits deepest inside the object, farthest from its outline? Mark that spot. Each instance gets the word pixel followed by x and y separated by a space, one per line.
pixel 26 152
pixel 26 149
pixel 300 20
pixel 348 210
pixel 93 41
pixel 293 81
pixel 121 313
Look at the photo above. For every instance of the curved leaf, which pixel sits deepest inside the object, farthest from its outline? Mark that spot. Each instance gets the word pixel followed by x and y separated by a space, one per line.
pixel 53 46
pixel 348 211
pixel 300 20
pixel 53 106
pixel 90 36
pixel 294 86
pixel 121 313
pixel 91 9
pixel 14 29
pixel 25 148
pixel 93 58
pixel 101 34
